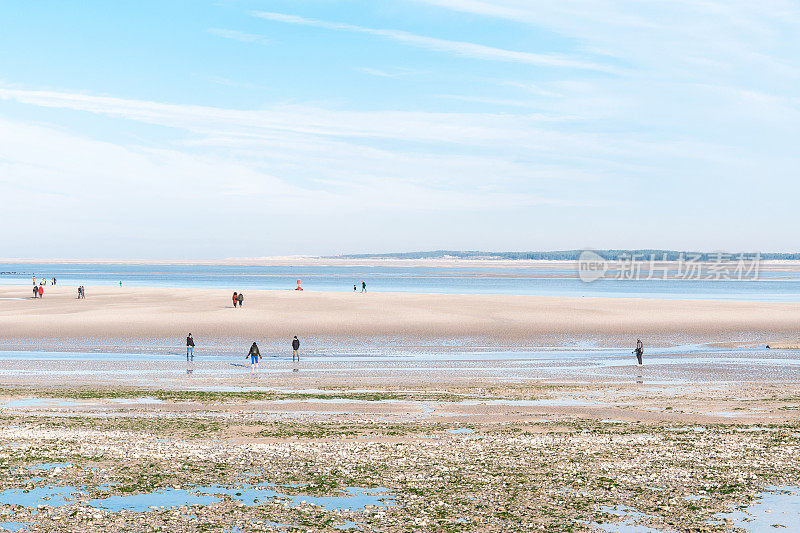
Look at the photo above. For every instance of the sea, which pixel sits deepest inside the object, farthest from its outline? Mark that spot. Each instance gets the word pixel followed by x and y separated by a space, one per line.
pixel 536 280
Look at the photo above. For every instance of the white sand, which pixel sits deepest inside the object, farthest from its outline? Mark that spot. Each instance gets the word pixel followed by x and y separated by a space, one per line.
pixel 160 313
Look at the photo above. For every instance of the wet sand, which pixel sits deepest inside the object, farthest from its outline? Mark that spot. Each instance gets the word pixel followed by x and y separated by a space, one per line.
pixel 403 414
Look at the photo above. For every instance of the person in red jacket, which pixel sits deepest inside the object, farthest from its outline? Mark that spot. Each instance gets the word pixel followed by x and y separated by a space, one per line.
pixel 41 291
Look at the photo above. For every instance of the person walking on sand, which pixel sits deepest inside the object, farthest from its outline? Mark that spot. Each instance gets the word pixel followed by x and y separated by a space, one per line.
pixel 253 354
pixel 41 291
pixel 189 347
pixel 363 286
pixel 295 348
pixel 241 299
pixel 355 289
pixel 639 351
pixel 35 291
pixel 235 299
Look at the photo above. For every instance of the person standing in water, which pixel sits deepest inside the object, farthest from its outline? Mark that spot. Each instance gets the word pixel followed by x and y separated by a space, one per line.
pixel 355 289
pixel 295 348
pixel 639 351
pixel 189 347
pixel 241 299
pixel 235 299
pixel 253 354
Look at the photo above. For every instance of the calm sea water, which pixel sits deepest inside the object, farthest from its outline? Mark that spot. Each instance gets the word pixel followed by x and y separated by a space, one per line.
pixel 775 287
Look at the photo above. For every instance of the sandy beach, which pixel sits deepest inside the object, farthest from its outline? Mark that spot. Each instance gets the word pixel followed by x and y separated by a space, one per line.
pixel 134 317
pixel 407 412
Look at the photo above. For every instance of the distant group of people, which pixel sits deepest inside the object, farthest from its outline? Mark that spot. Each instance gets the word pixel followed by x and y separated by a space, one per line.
pixel 81 292
pixel 38 288
pixel 363 287
pixel 238 299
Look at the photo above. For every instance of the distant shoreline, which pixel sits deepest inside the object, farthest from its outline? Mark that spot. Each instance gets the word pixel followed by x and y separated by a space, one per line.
pixel 444 262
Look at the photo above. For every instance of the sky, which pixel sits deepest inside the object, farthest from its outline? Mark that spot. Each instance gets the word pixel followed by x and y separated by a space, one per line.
pixel 243 128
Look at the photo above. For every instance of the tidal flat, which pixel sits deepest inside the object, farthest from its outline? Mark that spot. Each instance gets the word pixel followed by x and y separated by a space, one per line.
pixel 504 458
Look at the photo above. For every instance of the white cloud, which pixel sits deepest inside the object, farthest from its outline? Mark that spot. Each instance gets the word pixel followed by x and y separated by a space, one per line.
pixel 667 39
pixel 460 48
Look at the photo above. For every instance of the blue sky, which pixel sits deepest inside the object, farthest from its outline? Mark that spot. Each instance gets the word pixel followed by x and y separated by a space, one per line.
pixel 191 129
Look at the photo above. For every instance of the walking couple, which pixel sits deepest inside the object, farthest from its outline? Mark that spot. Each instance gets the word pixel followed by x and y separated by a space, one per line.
pixel 238 299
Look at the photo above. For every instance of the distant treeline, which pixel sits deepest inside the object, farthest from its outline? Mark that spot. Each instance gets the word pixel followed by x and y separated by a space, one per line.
pixel 569 255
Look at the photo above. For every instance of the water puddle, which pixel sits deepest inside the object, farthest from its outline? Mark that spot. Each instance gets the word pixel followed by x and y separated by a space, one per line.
pixel 68 402
pixel 14 526
pixel 628 524
pixel 350 525
pixel 776 508
pixel 53 496
pixel 549 402
pixel 160 499
pixel 460 431
pixel 48 495
pixel 48 466
pixel 356 498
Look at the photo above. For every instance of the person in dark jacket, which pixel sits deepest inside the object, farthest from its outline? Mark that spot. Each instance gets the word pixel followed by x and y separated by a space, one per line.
pixel 35 291
pixel 639 351
pixel 363 286
pixel 295 348
pixel 241 299
pixel 253 354
pixel 189 347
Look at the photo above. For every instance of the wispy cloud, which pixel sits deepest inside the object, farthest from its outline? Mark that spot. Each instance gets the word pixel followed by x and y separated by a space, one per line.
pixel 459 48
pixel 439 152
pixel 235 35
pixel 388 73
